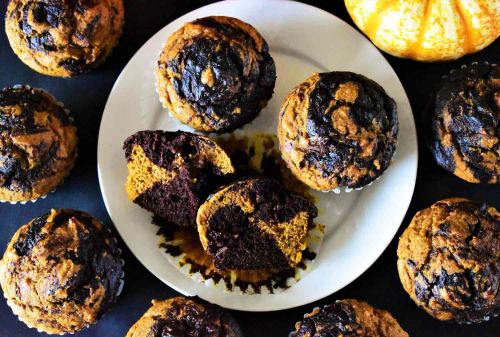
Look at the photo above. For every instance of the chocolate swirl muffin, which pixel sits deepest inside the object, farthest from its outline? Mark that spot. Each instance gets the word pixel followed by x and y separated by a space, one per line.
pixel 338 129
pixel 215 74
pixel 37 144
pixel 466 123
pixel 171 173
pixel 62 37
pixel 61 271
pixel 348 318
pixel 185 317
pixel 255 224
pixel 449 260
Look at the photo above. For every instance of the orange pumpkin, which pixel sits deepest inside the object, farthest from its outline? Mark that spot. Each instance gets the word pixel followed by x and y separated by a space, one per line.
pixel 428 30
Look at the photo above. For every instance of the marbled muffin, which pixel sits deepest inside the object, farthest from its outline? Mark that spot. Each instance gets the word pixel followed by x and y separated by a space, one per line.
pixel 466 123
pixel 61 271
pixel 338 129
pixel 185 317
pixel 37 144
pixel 63 37
pixel 172 173
pixel 215 74
pixel 255 224
pixel 449 260
pixel 348 318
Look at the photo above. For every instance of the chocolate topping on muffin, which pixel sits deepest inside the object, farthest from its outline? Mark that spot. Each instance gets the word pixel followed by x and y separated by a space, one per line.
pixel 62 37
pixel 61 271
pixel 449 260
pixel 338 129
pixel 255 224
pixel 172 173
pixel 185 317
pixel 37 144
pixel 215 74
pixel 466 123
pixel 348 318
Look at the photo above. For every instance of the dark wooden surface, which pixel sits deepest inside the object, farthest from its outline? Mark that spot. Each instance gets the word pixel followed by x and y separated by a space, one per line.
pixel 86 96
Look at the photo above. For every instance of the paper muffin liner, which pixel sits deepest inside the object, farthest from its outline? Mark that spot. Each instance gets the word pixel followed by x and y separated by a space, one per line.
pixel 118 293
pixel 485 318
pixel 465 66
pixel 71 119
pixel 197 265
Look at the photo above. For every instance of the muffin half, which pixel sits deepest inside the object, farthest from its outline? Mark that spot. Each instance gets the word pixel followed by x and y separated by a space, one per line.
pixel 338 129
pixel 215 74
pixel 171 173
pixel 255 224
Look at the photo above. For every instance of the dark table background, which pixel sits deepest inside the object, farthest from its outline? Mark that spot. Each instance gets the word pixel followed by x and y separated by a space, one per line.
pixel 86 97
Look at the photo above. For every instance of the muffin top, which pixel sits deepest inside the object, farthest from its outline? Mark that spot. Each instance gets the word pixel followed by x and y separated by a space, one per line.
pixel 338 129
pixel 61 37
pixel 255 224
pixel 215 74
pixel 185 317
pixel 348 318
pixel 466 123
pixel 61 271
pixel 171 173
pixel 449 260
pixel 37 143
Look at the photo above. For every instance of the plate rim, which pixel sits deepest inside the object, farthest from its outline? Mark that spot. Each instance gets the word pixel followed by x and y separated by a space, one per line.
pixel 372 260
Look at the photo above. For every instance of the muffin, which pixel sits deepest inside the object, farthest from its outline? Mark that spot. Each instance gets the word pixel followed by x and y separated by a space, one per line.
pixel 255 224
pixel 172 173
pixel 61 271
pixel 215 74
pixel 37 144
pixel 466 123
pixel 338 129
pixel 348 318
pixel 449 260
pixel 63 38
pixel 185 317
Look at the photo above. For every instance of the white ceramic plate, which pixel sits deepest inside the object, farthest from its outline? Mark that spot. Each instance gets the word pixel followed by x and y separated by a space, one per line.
pixel 302 40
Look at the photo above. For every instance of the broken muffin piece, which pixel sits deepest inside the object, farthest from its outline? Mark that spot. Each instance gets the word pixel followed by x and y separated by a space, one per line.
pixel 255 224
pixel 172 173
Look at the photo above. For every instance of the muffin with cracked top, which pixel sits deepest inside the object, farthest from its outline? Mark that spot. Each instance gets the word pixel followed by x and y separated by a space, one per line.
pixel 61 271
pixel 62 37
pixel 348 318
pixel 215 74
pixel 449 260
pixel 338 129
pixel 466 123
pixel 38 144
pixel 255 224
pixel 185 317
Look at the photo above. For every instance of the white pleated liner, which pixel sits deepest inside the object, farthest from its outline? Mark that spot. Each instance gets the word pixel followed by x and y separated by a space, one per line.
pixel 314 239
pixel 465 66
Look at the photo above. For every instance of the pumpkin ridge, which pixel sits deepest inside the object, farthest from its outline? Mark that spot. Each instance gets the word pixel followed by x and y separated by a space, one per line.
pixel 415 46
pixel 375 19
pixel 468 43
